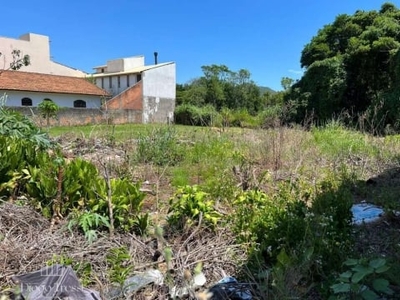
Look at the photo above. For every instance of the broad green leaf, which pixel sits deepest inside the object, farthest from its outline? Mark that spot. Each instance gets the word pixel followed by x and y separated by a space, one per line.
pixel 341 288
pixel 369 295
pixel 283 258
pixel 346 276
pixel 377 263
pixel 363 269
pixel 382 269
pixel 358 276
pixel 381 285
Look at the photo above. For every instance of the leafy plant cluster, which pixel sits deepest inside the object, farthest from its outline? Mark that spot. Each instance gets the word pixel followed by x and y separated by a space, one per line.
pixel 59 187
pixel 16 125
pixel 190 114
pixel 298 219
pixel 190 206
pixel 365 279
pixel 159 146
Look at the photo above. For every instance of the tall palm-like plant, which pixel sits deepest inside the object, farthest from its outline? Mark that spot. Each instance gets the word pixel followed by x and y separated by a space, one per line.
pixel 48 109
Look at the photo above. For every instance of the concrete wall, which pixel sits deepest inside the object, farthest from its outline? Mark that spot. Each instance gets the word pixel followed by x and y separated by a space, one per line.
pixel 133 62
pixel 76 116
pixel 124 64
pixel 159 94
pixel 38 48
pixel 63 100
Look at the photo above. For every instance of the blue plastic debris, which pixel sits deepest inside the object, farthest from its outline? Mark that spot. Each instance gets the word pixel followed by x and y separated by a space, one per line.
pixel 365 213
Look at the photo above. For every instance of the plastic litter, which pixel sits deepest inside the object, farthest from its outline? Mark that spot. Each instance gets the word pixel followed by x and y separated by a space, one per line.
pixel 228 288
pixel 365 213
pixel 179 292
pixel 138 281
pixel 135 283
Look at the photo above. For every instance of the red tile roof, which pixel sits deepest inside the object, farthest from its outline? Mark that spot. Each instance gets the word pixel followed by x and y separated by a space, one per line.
pixel 36 82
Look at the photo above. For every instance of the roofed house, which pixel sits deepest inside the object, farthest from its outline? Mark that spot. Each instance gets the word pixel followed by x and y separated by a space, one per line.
pixel 125 90
pixel 29 89
pixel 149 89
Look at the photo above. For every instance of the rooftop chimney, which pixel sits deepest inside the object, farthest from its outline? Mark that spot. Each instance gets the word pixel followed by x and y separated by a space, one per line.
pixel 155 57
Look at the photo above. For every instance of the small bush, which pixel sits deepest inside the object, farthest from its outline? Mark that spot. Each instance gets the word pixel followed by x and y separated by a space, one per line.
pixel 187 114
pixel 189 205
pixel 284 222
pixel 16 125
pixel 159 146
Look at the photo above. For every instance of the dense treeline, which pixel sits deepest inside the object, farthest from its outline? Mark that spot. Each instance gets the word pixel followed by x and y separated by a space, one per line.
pixel 222 97
pixel 222 87
pixel 352 71
pixel 353 65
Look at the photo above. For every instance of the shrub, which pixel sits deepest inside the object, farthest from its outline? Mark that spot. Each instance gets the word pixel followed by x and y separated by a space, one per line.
pixel 187 114
pixel 284 222
pixel 16 125
pixel 364 280
pixel 189 205
pixel 159 146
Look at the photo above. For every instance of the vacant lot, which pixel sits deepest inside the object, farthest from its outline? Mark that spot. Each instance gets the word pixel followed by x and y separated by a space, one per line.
pixel 270 207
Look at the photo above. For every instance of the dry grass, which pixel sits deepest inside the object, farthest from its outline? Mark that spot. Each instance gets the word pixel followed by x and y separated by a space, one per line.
pixel 28 241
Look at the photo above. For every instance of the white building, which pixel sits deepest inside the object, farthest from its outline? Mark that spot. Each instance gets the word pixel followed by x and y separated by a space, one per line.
pixel 29 89
pixel 134 85
pixel 148 91
pixel 38 48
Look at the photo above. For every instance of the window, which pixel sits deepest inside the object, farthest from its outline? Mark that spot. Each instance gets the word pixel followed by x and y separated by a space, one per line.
pixel 127 80
pixel 138 77
pixel 102 70
pixel 109 82
pixel 119 81
pixel 26 102
pixel 102 82
pixel 80 103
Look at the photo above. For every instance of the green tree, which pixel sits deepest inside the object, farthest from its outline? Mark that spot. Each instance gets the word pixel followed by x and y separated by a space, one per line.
pixel 222 88
pixel 48 109
pixel 18 60
pixel 349 64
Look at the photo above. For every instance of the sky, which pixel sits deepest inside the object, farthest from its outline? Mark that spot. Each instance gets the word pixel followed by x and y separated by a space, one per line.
pixel 265 37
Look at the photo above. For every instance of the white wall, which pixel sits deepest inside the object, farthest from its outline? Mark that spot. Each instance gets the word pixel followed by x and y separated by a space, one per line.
pixel 124 64
pixel 160 82
pixel 133 62
pixel 62 100
pixel 159 93
pixel 38 48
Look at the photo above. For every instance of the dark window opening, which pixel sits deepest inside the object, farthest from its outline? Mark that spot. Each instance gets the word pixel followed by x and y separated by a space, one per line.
pixel 138 77
pixel 26 102
pixel 102 70
pixel 119 81
pixel 80 103
pixel 127 80
pixel 109 82
pixel 102 82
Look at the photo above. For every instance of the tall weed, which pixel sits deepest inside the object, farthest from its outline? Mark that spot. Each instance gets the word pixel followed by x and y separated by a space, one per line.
pixel 159 146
